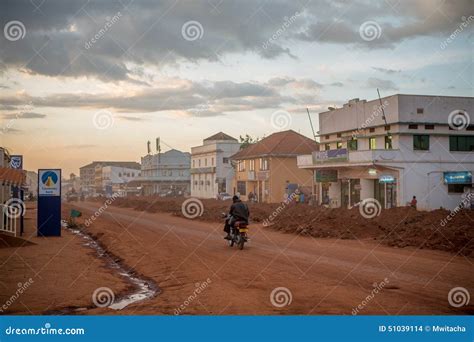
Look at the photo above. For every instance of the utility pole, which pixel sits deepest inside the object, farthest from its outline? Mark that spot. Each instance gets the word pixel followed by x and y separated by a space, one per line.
pixel 311 123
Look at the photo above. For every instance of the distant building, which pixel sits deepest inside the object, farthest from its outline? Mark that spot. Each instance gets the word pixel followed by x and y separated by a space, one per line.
pixel 113 179
pixel 87 173
pixel 31 185
pixel 165 173
pixel 71 185
pixel 268 168
pixel 211 170
pixel 415 150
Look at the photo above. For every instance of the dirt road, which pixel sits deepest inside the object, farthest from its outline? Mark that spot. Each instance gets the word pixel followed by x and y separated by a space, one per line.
pixel 321 276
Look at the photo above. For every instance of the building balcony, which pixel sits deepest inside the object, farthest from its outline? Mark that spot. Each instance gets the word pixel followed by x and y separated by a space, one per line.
pixel 343 157
pixel 196 170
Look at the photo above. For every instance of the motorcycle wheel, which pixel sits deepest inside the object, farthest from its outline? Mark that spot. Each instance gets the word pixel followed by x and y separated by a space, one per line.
pixel 241 244
pixel 231 242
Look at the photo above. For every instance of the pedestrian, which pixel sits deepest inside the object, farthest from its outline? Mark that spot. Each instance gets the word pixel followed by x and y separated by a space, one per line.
pixel 302 197
pixel 413 202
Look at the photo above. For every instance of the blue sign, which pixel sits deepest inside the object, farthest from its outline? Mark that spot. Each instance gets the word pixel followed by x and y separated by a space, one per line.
pixel 461 177
pixel 387 179
pixel 330 156
pixel 49 202
pixel 16 162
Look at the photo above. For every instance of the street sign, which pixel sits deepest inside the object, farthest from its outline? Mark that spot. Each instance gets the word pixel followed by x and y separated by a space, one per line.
pixel 16 162
pixel 461 177
pixel 49 202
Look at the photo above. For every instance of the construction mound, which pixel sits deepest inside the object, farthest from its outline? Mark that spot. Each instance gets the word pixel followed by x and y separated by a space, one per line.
pixel 397 227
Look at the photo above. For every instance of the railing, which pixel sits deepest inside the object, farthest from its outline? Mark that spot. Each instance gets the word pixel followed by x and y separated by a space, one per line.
pixel 9 219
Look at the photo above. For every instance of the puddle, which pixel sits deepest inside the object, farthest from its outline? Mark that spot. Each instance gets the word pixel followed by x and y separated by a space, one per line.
pixel 145 288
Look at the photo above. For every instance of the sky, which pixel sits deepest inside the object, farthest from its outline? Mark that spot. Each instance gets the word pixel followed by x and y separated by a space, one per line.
pixel 95 80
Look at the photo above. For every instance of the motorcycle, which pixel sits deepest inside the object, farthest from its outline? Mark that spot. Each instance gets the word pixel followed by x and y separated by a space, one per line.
pixel 238 233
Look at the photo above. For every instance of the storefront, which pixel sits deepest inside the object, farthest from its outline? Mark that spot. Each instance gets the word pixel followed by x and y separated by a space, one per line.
pixel 385 191
pixel 458 182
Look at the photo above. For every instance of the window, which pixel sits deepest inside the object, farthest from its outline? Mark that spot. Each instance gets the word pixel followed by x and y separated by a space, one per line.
pixel 241 188
pixel 339 145
pixel 120 174
pixel 241 165
pixel 263 164
pixel 327 147
pixel 429 126
pixel 194 163
pixel 212 161
pixel 205 161
pixel 388 142
pixel 372 144
pixel 371 130
pixel 470 128
pixel 457 188
pixel 412 126
pixel 327 137
pixel 338 135
pixel 252 165
pixel 419 111
pixel 387 128
pixel 421 142
pixel 199 162
pixel 352 144
pixel 225 160
pixel 461 143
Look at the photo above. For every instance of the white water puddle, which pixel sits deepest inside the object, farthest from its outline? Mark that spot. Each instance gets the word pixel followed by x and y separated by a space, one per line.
pixel 145 288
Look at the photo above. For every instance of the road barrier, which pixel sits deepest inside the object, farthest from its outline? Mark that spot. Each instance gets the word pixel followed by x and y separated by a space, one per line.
pixel 9 219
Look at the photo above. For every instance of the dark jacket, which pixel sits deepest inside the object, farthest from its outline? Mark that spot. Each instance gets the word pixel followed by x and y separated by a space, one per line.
pixel 240 211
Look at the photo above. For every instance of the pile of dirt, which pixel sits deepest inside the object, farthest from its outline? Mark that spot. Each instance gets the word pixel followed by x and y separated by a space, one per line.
pixel 397 227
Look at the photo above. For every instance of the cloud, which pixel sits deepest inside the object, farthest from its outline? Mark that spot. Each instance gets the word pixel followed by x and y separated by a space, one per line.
pixel 337 84
pixel 387 71
pixel 205 98
pixel 28 115
pixel 130 118
pixel 373 82
pixel 148 33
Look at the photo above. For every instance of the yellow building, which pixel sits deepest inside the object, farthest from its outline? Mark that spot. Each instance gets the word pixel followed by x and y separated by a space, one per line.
pixel 268 168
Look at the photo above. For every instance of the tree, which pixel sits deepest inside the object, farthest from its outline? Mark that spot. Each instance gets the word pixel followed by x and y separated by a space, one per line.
pixel 247 141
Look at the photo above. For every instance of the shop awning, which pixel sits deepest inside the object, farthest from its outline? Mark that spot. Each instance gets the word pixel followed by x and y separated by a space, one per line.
pixel 12 176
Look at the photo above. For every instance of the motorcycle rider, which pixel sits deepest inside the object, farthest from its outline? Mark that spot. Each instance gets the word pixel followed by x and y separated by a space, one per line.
pixel 239 211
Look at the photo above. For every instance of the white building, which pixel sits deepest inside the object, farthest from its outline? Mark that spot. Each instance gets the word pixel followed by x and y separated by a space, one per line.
pixel 211 170
pixel 114 179
pixel 413 152
pixel 166 173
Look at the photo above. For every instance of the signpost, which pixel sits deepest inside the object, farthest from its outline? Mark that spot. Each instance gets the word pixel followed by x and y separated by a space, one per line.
pixel 49 202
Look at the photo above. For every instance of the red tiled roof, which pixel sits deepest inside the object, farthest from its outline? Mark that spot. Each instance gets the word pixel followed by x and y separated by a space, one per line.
pixel 12 176
pixel 286 143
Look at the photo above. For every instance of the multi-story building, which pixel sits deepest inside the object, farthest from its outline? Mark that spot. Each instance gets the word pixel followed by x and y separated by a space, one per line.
pixel 269 170
pixel 165 173
pixel 31 184
pixel 393 149
pixel 113 179
pixel 211 170
pixel 87 173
